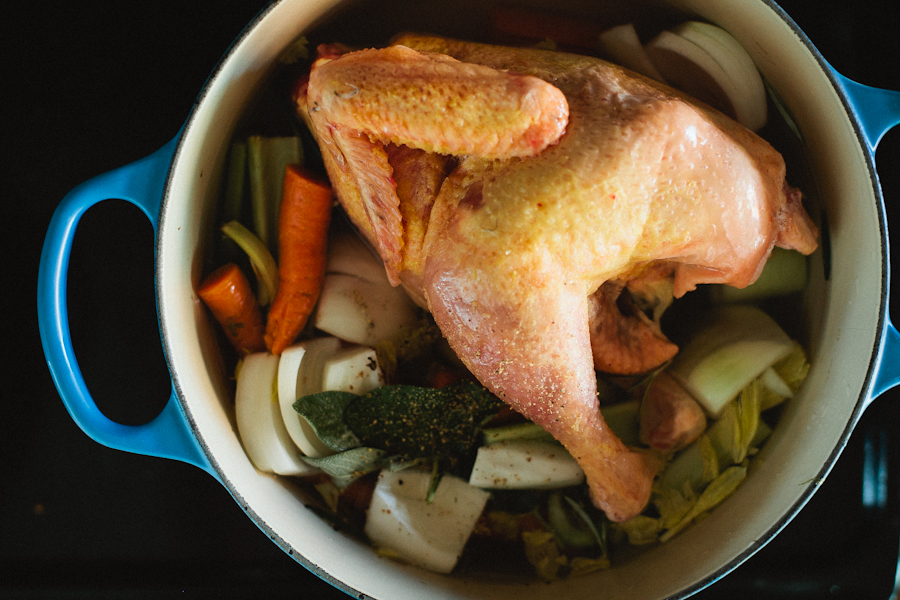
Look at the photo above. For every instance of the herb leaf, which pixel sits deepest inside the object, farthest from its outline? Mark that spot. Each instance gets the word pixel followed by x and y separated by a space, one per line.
pixel 345 467
pixel 415 422
pixel 325 414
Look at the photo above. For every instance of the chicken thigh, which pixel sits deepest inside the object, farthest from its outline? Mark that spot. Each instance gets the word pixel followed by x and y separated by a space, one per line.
pixel 515 193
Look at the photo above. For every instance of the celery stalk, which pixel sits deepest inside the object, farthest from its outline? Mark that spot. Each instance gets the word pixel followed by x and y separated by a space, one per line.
pixel 261 259
pixel 267 159
pixel 234 186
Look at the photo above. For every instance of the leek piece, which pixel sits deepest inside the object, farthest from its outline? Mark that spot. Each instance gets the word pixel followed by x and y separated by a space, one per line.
pixel 736 345
pixel 260 426
pixel 430 535
pixel 525 464
pixel 785 273
pixel 262 261
pixel 267 158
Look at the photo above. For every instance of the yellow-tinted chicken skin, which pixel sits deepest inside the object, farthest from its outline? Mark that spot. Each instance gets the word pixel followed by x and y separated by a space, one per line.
pixel 503 187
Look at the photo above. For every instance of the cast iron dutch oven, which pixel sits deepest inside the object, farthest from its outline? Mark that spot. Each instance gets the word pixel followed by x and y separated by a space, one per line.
pixel 854 348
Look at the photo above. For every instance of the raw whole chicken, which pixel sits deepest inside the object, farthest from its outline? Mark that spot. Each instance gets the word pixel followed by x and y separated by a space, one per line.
pixel 516 193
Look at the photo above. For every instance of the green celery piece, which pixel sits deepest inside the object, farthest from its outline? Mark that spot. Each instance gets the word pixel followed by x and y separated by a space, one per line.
pixel 641 530
pixel 325 414
pixel 267 158
pixel 696 465
pixel 264 266
pixel 624 420
pixel 234 186
pixel 748 411
pixel 518 431
pixel 543 553
pixel 345 467
pixel 785 273
pixel 722 487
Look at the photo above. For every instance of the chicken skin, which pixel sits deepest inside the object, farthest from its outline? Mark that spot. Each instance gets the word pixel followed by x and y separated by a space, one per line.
pixel 515 193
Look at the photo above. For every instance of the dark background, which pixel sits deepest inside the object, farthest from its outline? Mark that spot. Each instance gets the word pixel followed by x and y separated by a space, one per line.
pixel 90 86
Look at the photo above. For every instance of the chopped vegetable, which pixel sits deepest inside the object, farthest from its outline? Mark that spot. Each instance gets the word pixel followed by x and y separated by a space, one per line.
pixel 706 62
pixel 735 346
pixel 262 430
pixel 784 273
pixel 624 47
pixel 234 186
pixel 525 464
pixel 722 487
pixel 363 312
pixel 267 158
pixel 430 535
pixel 227 293
pixel 302 234
pixel 518 431
pixel 544 554
pixel 264 266
pixel 299 374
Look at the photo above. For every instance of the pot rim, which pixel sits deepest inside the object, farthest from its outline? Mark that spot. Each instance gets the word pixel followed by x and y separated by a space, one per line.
pixel 861 403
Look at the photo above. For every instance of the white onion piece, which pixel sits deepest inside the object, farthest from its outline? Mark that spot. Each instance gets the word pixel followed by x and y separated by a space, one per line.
pixel 750 100
pixel 736 344
pixel 363 312
pixel 524 464
pixel 299 374
pixel 432 535
pixel 260 425
pixel 624 47
pixel 712 78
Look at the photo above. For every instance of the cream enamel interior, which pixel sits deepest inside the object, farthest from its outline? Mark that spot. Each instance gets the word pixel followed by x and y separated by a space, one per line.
pixel 844 315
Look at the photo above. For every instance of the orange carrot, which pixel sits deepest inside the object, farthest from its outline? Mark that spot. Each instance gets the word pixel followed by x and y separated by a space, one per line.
pixel 302 235
pixel 227 293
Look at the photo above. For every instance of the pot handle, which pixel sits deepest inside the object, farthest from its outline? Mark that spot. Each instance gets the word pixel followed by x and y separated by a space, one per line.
pixel 877 110
pixel 168 435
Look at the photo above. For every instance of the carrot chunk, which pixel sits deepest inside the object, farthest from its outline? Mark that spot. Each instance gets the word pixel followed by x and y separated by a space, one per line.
pixel 302 237
pixel 227 293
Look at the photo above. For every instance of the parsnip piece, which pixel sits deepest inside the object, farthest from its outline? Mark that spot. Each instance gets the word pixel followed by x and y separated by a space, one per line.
pixel 430 535
pixel 363 312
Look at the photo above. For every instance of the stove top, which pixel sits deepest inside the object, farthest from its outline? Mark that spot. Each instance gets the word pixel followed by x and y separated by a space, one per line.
pixel 105 84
